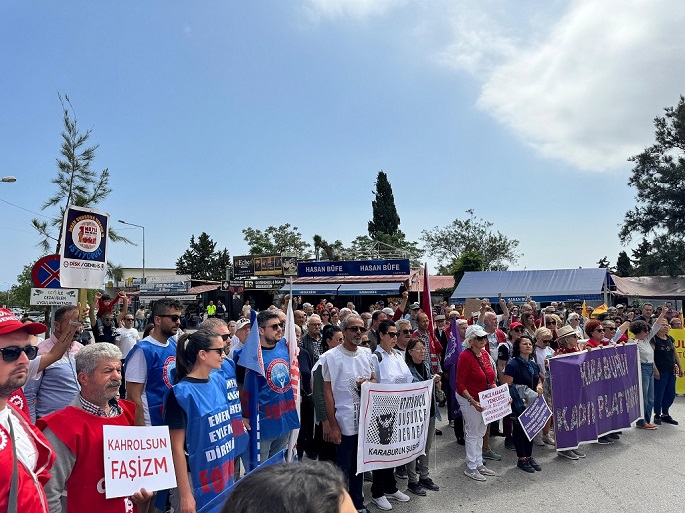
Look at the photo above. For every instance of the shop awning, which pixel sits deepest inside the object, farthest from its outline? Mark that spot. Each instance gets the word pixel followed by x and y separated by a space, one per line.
pixel 312 289
pixel 664 287
pixel 548 285
pixel 369 289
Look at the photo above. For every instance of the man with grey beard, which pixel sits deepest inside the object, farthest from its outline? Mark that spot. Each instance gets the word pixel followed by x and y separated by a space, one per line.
pixel 76 435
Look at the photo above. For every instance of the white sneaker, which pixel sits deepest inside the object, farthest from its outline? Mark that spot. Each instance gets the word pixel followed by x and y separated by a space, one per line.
pixel 382 503
pixel 537 440
pixel 398 496
pixel 473 474
pixel 548 439
pixel 485 471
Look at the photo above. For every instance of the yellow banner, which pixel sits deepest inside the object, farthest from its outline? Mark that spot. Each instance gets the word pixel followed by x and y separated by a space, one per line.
pixel 679 336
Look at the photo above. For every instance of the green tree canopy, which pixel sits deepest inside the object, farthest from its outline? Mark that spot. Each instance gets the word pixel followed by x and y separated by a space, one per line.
pixel 77 184
pixel 624 266
pixel 658 177
pixel 471 235
pixel 277 240
pixel 385 219
pixel 202 261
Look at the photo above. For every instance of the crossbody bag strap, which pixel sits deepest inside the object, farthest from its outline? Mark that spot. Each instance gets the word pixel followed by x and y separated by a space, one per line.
pixel 487 381
pixel 14 484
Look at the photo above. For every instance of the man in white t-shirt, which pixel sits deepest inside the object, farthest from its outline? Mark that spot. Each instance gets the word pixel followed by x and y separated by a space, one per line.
pixel 151 364
pixel 127 337
pixel 242 330
pixel 344 370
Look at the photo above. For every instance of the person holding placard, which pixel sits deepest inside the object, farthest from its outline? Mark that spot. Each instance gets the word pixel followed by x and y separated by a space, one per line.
pixel 389 367
pixel 523 372
pixel 475 374
pixel 76 436
pixel 204 416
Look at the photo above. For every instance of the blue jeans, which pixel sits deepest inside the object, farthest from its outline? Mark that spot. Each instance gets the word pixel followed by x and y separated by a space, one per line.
pixel 346 459
pixel 647 391
pixel 270 447
pixel 664 392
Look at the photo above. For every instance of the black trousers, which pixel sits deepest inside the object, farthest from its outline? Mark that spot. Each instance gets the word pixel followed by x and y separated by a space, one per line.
pixel 524 447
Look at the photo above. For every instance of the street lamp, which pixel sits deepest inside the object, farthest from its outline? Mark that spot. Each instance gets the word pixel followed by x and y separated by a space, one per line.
pixel 8 179
pixel 138 226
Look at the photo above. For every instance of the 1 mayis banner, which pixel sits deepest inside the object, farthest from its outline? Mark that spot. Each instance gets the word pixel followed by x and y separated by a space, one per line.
pixel 393 424
pixel 595 393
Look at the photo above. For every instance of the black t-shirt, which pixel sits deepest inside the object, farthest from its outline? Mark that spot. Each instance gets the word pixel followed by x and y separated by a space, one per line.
pixel 664 353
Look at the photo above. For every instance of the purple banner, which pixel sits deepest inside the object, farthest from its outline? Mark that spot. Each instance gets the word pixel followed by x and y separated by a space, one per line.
pixel 534 418
pixel 594 393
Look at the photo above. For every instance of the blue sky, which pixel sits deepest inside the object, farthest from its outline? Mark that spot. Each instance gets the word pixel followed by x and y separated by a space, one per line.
pixel 218 116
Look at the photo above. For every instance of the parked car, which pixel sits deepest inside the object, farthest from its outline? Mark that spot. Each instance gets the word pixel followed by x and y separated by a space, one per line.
pixel 36 315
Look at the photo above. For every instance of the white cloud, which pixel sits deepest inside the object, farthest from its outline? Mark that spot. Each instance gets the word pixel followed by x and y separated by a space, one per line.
pixel 587 92
pixel 355 9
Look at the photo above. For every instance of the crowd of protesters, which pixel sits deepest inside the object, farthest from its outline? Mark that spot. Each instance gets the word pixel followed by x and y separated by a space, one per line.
pixel 56 394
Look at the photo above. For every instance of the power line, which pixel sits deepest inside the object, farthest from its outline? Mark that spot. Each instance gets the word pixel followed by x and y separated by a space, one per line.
pixel 26 209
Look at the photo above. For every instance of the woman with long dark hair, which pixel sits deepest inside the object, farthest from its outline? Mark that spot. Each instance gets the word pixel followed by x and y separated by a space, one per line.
pixel 204 416
pixel 523 372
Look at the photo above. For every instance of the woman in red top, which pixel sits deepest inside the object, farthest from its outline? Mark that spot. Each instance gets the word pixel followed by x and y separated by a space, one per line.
pixel 594 330
pixel 475 374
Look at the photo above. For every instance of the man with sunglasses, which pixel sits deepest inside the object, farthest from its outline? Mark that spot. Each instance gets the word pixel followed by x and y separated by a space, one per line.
pixel 277 412
pixel 25 454
pixel 151 363
pixel 344 370
pixel 57 386
pixel 404 332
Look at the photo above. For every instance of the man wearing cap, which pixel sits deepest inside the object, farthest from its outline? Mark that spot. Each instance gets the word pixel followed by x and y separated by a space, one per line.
pixel 25 454
pixel 57 386
pixel 440 332
pixel 377 317
pixel 76 435
pixel 414 310
pixel 242 330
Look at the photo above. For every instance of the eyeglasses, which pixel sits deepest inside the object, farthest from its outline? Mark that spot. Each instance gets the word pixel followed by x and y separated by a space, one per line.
pixel 276 327
pixel 12 353
pixel 406 332
pixel 364 343
pixel 391 334
pixel 225 337
pixel 419 349
pixel 612 328
pixel 550 322
pixel 173 317
pixel 220 350
pixel 128 319
pixel 314 324
pixel 106 319
pixel 518 330
pixel 601 330
pixel 356 328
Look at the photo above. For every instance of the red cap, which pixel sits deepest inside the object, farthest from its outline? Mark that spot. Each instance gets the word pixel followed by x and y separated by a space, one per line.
pixel 515 325
pixel 9 323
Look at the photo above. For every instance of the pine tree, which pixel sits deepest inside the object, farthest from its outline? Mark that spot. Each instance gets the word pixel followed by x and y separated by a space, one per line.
pixel 202 262
pixel 385 220
pixel 624 267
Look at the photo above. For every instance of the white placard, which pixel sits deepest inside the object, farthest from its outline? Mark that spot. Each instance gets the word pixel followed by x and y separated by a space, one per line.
pixel 54 297
pixel 137 457
pixel 497 403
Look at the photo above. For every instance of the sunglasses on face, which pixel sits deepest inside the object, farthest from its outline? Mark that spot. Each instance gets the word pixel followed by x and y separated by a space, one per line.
pixel 550 323
pixel 406 332
pixel 225 337
pixel 518 330
pixel 276 327
pixel 601 330
pixel 12 353
pixel 356 328
pixel 391 334
pixel 173 317
pixel 220 350
pixel 128 319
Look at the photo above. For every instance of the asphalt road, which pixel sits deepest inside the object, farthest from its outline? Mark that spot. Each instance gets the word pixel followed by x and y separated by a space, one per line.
pixel 644 471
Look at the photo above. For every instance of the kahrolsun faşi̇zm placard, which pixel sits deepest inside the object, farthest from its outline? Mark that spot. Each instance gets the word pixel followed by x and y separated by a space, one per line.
pixel 137 457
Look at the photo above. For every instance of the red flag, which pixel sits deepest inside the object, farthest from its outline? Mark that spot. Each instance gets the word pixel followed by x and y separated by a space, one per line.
pixel 427 307
pixel 293 351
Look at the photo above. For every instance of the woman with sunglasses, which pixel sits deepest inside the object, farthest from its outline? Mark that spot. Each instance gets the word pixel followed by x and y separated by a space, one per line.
pixel 325 317
pixel 474 375
pixel 523 372
pixel 595 332
pixel 417 470
pixel 203 413
pixel 574 322
pixel 389 367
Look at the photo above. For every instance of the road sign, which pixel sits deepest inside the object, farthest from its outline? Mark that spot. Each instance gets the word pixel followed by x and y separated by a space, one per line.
pixel 45 274
pixel 53 297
